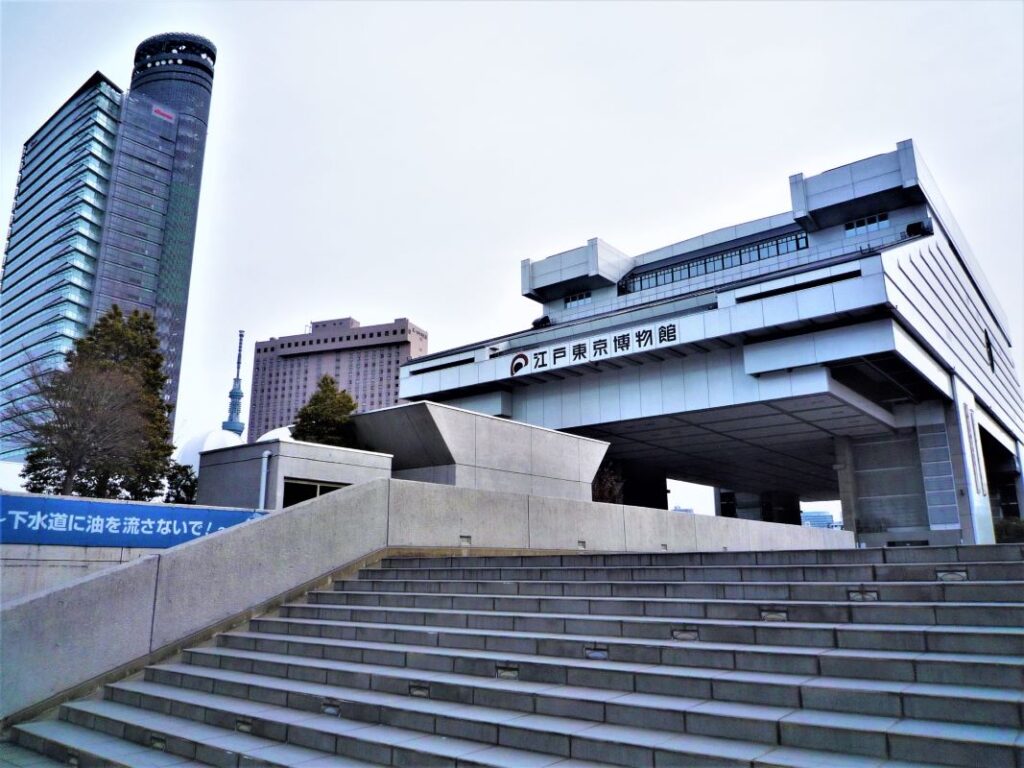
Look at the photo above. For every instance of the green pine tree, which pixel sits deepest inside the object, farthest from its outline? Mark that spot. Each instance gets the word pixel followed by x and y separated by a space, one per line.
pixel 182 484
pixel 324 419
pixel 130 345
pixel 100 426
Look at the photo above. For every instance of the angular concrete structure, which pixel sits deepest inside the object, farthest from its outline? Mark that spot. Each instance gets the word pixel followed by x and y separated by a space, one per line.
pixel 441 444
pixel 418 441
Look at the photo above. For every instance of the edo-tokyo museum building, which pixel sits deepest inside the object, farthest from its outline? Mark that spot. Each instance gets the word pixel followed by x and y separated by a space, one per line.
pixel 849 348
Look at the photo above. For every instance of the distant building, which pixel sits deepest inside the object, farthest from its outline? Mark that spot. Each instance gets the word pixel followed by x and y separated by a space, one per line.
pixel 817 519
pixel 364 360
pixel 105 213
pixel 230 432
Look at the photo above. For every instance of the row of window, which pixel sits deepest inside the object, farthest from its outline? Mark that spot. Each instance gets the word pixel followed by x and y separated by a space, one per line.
pixel 867 224
pixel 332 340
pixel 747 254
pixel 577 300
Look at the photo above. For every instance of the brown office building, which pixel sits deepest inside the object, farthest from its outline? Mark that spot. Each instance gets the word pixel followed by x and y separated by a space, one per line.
pixel 362 359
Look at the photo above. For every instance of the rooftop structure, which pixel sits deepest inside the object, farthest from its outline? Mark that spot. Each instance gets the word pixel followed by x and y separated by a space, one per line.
pixel 849 348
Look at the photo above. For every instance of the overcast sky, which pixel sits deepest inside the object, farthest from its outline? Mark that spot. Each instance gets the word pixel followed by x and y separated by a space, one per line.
pixel 386 160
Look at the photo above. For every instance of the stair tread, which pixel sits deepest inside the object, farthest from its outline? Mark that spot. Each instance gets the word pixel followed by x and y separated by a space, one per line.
pixel 248 744
pixel 109 748
pixel 776 678
pixel 14 756
pixel 841 627
pixel 992 734
pixel 705 566
pixel 700 645
pixel 543 723
pixel 686 600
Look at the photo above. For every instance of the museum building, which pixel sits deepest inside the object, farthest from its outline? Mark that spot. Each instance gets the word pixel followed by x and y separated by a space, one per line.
pixel 847 349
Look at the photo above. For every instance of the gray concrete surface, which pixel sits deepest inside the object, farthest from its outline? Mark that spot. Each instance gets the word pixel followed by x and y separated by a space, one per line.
pixel 29 568
pixel 439 443
pixel 230 477
pixel 70 634
pixel 59 639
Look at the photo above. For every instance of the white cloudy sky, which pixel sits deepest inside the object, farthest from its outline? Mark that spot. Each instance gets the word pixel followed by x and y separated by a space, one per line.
pixel 391 159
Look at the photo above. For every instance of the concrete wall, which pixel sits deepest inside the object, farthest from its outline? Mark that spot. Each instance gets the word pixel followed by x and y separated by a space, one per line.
pixel 231 476
pixel 68 636
pixel 28 568
pixel 441 444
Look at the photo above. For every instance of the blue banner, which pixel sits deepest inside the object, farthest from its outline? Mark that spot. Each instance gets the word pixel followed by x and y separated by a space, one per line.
pixel 31 519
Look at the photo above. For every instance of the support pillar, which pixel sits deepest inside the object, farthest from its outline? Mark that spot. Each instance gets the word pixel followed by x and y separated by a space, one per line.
pixel 976 523
pixel 847 480
pixel 644 485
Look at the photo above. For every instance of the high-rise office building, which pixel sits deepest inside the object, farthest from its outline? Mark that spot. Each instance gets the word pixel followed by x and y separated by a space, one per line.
pixel 363 360
pixel 105 213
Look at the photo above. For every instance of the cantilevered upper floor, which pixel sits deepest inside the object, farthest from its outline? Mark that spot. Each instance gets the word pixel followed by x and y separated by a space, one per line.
pixel 865 242
pixel 837 215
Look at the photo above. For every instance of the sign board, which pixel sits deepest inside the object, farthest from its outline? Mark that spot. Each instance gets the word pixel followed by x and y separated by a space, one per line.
pixel 163 114
pixel 625 341
pixel 29 519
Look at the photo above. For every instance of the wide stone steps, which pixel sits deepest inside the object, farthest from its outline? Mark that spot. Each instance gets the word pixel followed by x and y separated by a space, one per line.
pixel 944 555
pixel 964 592
pixel 996 640
pixel 901 572
pixel 76 745
pixel 846 612
pixel 908 666
pixel 858 658
pixel 187 727
pixel 364 717
pixel 407 664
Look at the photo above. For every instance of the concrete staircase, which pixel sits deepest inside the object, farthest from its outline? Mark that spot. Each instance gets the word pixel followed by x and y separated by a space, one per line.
pixel 807 658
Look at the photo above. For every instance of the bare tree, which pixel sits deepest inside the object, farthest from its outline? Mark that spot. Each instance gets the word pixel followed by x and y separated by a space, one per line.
pixel 71 417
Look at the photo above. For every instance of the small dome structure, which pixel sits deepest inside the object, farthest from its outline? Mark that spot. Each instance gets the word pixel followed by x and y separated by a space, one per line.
pixel 206 441
pixel 281 433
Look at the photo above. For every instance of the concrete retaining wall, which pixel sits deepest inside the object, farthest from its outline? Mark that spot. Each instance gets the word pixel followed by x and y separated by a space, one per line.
pixel 66 637
pixel 29 568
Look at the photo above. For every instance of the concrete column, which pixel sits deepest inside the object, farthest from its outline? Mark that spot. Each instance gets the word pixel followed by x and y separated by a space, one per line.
pixel 766 506
pixel 937 472
pixel 977 527
pixel 644 485
pixel 1020 478
pixel 718 502
pixel 847 482
pixel 780 507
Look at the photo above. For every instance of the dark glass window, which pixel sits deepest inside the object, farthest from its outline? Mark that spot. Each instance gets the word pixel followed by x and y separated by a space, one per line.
pixel 577 300
pixel 867 224
pixel 707 264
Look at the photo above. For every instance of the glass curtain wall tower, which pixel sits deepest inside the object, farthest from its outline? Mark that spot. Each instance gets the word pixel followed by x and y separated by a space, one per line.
pixel 105 213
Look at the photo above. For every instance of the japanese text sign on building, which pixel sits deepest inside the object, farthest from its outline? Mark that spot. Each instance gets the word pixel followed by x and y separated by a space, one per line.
pixel 26 519
pixel 624 341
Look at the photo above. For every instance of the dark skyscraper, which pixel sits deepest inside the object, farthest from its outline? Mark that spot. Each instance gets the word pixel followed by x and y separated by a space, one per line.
pixel 105 212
